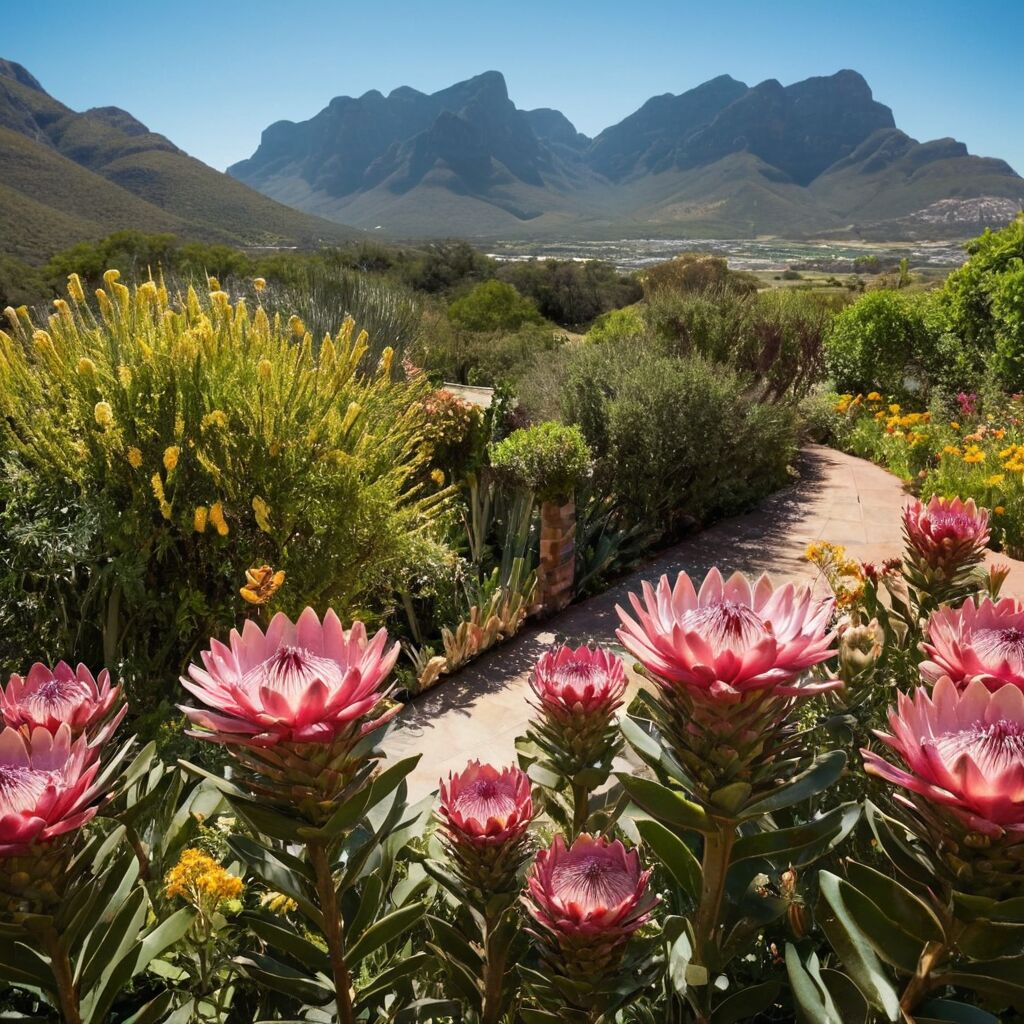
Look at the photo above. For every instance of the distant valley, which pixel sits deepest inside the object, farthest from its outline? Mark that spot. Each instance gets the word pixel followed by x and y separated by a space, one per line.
pixel 819 158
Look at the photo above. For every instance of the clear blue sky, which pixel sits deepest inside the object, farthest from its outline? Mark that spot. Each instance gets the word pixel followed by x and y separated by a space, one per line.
pixel 212 76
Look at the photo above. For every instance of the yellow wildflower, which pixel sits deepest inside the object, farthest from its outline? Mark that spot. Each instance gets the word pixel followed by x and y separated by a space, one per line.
pixel 298 328
pixel 894 409
pixel 262 512
pixel 874 396
pixel 213 419
pixel 213 284
pixel 954 425
pixel 261 584
pixel 161 498
pixel 104 414
pixel 259 284
pixel 75 289
pixel 171 458
pixel 995 480
pixel 278 903
pixel 86 367
pixel 147 290
pixel 134 457
pixel 974 454
pixel 217 518
pixel 265 369
pixel 200 881
pixel 199 519
pixel 124 375
pixel 438 477
pixel 999 510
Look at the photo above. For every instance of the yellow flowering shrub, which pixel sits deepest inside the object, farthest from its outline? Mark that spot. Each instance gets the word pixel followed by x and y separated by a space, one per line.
pixel 201 882
pixel 158 446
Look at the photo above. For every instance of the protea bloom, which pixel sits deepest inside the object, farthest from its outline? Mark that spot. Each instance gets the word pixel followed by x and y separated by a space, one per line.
pixel 946 534
pixel 485 812
pixel 983 641
pixel 49 698
pixel 46 791
pixel 293 703
pixel 587 899
pixel 730 638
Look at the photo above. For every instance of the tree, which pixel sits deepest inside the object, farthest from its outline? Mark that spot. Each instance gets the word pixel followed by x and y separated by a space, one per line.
pixel 493 306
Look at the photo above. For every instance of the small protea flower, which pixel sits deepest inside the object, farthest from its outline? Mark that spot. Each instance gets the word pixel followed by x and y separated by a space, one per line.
pixel 964 777
pixel 577 693
pixel 485 813
pixel 586 901
pixel 859 648
pixel 946 535
pixel 48 698
pixel 308 690
pixel 46 792
pixel 983 641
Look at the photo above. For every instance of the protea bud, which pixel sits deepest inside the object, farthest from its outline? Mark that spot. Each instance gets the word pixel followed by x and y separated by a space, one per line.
pixel 586 901
pixel 946 536
pixel 46 792
pixel 485 813
pixel 859 648
pixel 47 698
pixel 731 664
pixel 964 780
pixel 577 694
pixel 983 641
pixel 293 705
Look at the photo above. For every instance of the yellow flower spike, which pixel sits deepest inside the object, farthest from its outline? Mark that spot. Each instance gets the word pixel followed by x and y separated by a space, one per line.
pixel 106 308
pixel 110 277
pixel 124 375
pixel 171 455
pixel 328 355
pixel 259 284
pixel 134 458
pixel 261 584
pixel 278 903
pixel 199 519
pixel 217 519
pixel 103 414
pixel 262 512
pixel 214 418
pixel 353 410
pixel 265 370
pixel 297 327
pixel 75 289
pixel 213 284
pixel 161 498
pixel 386 358
pixel 345 334
pixel 86 367
pixel 220 300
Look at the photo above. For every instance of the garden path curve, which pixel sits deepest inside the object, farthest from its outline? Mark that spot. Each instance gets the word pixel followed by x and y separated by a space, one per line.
pixel 479 712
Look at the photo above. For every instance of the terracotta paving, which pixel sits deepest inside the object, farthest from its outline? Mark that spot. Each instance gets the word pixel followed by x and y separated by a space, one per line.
pixel 479 712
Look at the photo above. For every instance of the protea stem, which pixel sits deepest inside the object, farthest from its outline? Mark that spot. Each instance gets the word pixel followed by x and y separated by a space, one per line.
pixel 333 930
pixel 495 958
pixel 714 869
pixel 61 966
pixel 580 808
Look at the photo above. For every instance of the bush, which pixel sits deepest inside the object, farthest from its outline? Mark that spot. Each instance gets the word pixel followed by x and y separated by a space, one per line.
pixel 618 327
pixel 695 271
pixel 155 452
pixel 677 441
pixel 549 459
pixel 882 342
pixel 493 306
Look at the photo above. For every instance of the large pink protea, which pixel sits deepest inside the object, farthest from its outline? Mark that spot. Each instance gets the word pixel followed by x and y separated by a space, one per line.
pixel 587 900
pixel 730 638
pixel 293 703
pixel 983 641
pixel 48 698
pixel 964 755
pixel 485 813
pixel 947 534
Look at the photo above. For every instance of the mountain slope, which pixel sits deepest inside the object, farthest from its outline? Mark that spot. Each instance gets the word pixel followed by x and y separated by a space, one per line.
pixel 723 159
pixel 68 176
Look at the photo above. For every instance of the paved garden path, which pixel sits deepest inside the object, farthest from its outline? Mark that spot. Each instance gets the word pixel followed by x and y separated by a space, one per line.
pixel 479 712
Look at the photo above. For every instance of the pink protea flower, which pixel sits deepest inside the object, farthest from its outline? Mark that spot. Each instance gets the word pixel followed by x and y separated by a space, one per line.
pixel 486 806
pixel 964 751
pixel 594 890
pixel 45 786
pixel 304 682
pixel 946 534
pixel 730 638
pixel 983 641
pixel 585 681
pixel 49 697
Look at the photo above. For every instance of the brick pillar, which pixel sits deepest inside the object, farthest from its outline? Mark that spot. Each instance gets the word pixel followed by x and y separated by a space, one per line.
pixel 557 554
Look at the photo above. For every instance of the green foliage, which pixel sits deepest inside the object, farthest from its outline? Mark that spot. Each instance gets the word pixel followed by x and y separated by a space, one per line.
pixel 549 459
pixel 493 306
pixel 157 452
pixel 696 272
pixel 881 342
pixel 677 441
pixel 620 326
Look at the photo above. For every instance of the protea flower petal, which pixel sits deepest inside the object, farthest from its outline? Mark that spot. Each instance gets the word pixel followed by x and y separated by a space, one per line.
pixel 45 786
pixel 946 534
pixel 594 890
pixel 301 682
pixel 963 749
pixel 728 637
pixel 585 681
pixel 486 806
pixel 48 698
pixel 983 641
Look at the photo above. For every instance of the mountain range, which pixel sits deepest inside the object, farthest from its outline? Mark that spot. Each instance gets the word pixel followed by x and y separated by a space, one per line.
pixel 66 177
pixel 820 157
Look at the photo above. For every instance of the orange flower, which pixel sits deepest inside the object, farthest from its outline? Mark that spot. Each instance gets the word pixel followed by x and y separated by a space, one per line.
pixel 261 584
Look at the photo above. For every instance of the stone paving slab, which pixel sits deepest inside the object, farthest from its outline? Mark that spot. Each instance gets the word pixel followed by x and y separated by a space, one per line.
pixel 479 712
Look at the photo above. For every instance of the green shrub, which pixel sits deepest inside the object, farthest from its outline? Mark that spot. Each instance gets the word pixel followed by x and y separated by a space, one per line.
pixel 618 327
pixel 493 306
pixel 676 441
pixel 549 459
pixel 695 271
pixel 883 341
pixel 155 452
